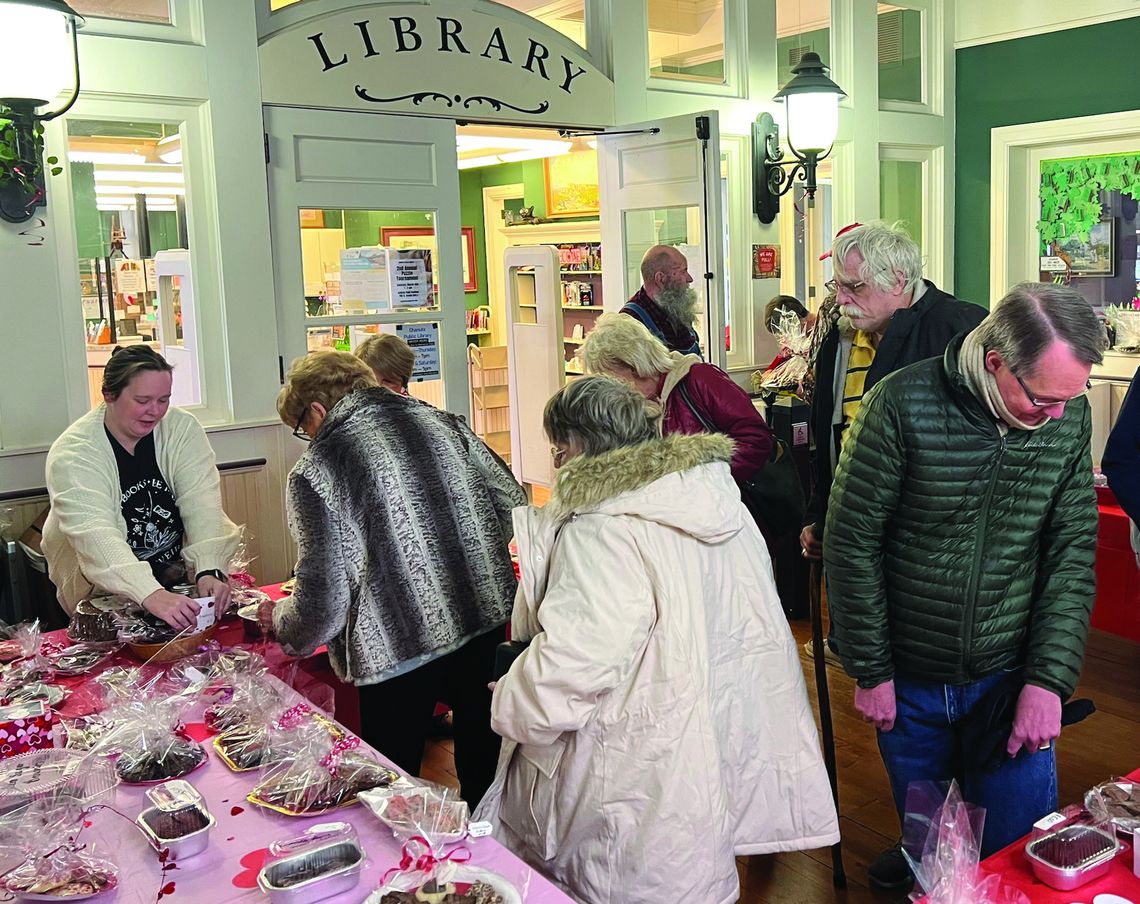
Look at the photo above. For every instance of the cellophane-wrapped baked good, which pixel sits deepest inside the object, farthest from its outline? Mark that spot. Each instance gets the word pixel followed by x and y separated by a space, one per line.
pixel 54 864
pixel 318 773
pixel 31 664
pixel 148 734
pixel 268 736
pixel 246 698
pixel 418 809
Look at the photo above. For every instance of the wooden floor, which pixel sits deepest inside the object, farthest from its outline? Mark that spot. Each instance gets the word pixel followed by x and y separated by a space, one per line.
pixel 1106 744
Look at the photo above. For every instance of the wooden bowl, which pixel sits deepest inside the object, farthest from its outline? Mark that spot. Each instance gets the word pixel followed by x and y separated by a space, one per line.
pixel 176 649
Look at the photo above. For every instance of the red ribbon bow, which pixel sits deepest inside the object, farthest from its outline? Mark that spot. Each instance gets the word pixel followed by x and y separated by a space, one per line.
pixel 424 862
pixel 292 717
pixel 332 759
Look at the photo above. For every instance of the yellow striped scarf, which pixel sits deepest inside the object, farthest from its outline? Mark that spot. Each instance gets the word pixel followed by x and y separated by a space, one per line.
pixel 862 354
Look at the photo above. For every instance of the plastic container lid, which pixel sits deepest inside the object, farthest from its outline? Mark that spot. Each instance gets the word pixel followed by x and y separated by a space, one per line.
pixel 174 795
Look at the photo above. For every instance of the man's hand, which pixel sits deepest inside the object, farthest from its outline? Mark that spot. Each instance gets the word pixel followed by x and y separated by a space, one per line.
pixel 810 543
pixel 208 585
pixel 877 705
pixel 176 610
pixel 1037 721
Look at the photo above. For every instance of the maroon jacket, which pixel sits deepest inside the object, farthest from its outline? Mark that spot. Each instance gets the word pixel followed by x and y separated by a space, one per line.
pixel 728 408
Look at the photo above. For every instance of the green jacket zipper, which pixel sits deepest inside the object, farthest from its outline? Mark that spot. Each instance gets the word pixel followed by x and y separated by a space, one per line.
pixel 975 572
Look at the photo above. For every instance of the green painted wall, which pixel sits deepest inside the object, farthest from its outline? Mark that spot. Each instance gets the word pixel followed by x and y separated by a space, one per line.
pixel 362 227
pixel 90 238
pixel 1032 79
pixel 900 194
pixel 471 214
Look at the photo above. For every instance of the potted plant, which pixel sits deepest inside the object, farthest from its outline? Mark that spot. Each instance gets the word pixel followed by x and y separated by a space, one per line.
pixel 22 187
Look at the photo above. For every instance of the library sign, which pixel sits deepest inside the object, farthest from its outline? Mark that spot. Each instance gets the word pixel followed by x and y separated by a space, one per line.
pixel 447 58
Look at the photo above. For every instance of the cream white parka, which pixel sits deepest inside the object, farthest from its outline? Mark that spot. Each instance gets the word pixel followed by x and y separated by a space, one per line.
pixel 658 724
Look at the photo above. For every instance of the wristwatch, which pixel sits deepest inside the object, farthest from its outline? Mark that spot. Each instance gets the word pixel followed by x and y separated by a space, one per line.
pixel 212 573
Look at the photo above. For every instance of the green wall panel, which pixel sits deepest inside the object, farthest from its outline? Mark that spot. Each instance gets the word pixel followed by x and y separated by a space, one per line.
pixel 1030 79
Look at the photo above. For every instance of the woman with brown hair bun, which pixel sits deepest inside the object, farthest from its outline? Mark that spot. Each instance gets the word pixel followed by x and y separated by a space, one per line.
pixel 136 504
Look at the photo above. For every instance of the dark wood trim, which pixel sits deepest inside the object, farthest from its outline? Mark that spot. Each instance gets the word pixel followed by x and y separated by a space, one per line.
pixel 245 463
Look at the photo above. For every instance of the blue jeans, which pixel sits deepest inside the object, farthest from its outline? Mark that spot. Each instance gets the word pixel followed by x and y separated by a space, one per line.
pixel 926 744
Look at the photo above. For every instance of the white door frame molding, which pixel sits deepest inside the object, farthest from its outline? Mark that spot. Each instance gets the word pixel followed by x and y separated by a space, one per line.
pixel 494 244
pixel 1015 155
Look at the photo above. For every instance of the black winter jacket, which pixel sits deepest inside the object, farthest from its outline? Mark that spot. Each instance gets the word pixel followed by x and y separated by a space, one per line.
pixel 953 549
pixel 914 333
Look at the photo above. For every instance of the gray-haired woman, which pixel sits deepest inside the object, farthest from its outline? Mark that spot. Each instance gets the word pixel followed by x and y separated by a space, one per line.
pixel 647 597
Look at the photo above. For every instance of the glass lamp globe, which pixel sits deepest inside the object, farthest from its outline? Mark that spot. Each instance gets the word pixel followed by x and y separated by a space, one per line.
pixel 37 61
pixel 812 101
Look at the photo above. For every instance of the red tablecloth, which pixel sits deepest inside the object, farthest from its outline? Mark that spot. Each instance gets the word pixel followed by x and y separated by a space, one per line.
pixel 1117 608
pixel 1014 868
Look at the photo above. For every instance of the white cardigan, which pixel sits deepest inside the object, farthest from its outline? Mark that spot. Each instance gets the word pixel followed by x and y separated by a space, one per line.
pixel 85 537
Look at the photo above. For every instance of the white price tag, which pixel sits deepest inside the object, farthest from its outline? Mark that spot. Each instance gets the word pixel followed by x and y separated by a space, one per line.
pixel 479 829
pixel 207 612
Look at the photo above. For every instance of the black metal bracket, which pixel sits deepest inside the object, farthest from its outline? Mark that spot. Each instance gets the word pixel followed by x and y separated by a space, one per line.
pixel 770 179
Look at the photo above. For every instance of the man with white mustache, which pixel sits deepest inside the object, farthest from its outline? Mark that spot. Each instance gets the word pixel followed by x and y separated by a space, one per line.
pixel 890 317
pixel 666 303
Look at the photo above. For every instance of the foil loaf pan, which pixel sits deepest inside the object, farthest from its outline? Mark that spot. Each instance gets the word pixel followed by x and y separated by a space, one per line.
pixel 191 827
pixel 314 874
pixel 1070 857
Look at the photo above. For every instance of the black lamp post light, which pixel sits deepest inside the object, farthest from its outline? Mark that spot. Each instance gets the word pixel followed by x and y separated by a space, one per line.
pixel 39 60
pixel 812 103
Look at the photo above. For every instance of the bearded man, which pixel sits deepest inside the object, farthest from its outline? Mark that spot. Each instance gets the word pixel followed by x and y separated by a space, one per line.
pixel 666 303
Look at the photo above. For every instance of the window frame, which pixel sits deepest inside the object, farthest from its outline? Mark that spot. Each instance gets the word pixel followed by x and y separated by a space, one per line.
pixel 933 223
pixel 735 57
pixel 185 25
pixel 735 157
pixel 201 226
pixel 933 87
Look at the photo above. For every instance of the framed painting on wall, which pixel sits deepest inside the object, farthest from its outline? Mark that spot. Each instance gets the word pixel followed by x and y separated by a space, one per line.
pixel 572 184
pixel 424 237
pixel 1097 256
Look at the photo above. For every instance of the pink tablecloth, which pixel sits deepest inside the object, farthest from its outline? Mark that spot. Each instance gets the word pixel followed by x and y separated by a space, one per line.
pixel 227 870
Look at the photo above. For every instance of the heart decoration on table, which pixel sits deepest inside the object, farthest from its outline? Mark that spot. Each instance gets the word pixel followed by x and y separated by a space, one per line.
pixel 253 862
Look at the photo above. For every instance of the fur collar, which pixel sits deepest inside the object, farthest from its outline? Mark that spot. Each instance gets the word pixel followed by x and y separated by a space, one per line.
pixel 588 481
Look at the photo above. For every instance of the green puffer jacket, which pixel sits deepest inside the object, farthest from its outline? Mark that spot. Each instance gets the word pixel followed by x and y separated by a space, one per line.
pixel 953 550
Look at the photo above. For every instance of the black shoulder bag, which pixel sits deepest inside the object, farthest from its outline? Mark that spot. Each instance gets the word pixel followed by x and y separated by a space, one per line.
pixel 775 496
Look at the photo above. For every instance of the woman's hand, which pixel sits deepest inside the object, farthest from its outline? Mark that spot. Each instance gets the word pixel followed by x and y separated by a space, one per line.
pixel 265 615
pixel 176 610
pixel 208 585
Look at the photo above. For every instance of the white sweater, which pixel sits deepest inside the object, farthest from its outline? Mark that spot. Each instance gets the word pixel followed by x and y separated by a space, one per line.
pixel 85 537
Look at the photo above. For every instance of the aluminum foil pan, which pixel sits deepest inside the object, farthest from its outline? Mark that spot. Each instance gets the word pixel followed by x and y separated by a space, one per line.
pixel 1070 857
pixel 314 874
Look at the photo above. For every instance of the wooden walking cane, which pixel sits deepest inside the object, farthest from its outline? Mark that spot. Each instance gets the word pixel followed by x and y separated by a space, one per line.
pixel 815 581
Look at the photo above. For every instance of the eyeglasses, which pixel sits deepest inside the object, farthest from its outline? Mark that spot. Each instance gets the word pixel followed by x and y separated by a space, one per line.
pixel 298 432
pixel 834 286
pixel 1038 403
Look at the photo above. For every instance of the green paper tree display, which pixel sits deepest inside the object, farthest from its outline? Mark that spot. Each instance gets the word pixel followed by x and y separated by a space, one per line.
pixel 1070 193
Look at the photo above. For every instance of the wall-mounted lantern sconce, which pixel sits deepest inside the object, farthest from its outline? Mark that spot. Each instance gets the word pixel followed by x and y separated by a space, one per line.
pixel 812 101
pixel 40 58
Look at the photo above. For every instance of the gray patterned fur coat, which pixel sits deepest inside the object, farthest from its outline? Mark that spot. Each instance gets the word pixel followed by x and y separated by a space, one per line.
pixel 402 519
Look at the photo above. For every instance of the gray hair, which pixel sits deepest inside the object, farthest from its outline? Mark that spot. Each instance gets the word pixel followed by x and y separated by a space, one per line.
pixel 886 249
pixel 1032 316
pixel 597 414
pixel 623 341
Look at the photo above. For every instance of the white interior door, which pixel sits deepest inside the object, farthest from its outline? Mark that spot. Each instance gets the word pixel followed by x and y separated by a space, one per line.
pixel 535 361
pixel 660 185
pixel 386 179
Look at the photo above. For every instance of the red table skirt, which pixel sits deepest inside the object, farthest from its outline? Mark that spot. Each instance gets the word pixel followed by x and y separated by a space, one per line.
pixel 1011 864
pixel 1117 608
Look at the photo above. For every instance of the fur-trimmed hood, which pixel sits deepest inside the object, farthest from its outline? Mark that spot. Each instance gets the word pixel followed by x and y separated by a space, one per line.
pixel 681 481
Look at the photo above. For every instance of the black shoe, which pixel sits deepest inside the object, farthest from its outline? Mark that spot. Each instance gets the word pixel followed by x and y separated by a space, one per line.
pixel 889 871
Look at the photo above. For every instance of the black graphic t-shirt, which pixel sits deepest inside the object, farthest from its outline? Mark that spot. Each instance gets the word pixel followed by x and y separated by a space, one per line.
pixel 154 524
